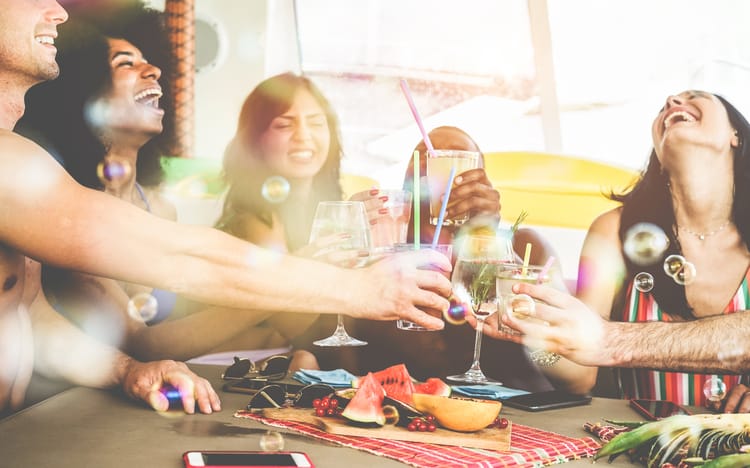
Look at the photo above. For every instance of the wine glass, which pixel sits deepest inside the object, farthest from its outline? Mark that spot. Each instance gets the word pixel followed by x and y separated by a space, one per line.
pixel 474 285
pixel 342 217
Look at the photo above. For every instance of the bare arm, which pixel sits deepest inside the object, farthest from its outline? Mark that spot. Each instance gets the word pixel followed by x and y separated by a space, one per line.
pixel 581 331
pixel 715 344
pixel 711 344
pixel 197 334
pixel 62 351
pixel 90 300
pixel 54 220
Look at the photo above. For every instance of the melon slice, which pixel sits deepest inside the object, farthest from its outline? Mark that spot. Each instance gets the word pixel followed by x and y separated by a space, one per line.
pixel 366 407
pixel 459 414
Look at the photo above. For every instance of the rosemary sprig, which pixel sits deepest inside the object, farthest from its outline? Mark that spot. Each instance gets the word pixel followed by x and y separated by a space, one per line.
pixel 521 218
pixel 483 284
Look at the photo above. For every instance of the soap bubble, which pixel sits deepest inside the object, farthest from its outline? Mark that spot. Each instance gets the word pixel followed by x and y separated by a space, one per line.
pixel 686 275
pixel 272 441
pixel 645 243
pixel 143 307
pixel 673 264
pixel 644 282
pixel 714 389
pixel 456 313
pixel 275 189
pixel 114 172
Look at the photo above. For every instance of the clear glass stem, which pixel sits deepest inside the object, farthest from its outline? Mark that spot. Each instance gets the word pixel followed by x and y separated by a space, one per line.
pixel 477 345
pixel 340 330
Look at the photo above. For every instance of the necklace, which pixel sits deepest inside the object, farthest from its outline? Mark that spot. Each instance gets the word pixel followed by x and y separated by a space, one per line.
pixel 701 235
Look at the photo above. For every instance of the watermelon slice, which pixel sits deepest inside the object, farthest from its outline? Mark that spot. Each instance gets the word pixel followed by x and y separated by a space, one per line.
pixel 396 381
pixel 366 407
pixel 433 386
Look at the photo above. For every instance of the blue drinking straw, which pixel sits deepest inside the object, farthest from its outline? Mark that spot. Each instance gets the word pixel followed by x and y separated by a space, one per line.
pixel 441 216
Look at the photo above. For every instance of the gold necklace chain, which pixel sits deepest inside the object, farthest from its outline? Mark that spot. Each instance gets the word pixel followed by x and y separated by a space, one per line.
pixel 701 235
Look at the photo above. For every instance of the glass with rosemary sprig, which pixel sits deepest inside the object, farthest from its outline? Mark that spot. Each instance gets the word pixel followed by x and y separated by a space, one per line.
pixel 479 258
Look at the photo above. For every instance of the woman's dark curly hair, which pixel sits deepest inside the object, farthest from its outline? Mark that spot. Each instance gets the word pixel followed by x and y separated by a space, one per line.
pixel 650 201
pixel 54 115
pixel 245 169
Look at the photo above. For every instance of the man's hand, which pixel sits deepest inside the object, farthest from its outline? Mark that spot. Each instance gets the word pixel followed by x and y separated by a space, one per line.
pixel 143 381
pixel 402 288
pixel 560 323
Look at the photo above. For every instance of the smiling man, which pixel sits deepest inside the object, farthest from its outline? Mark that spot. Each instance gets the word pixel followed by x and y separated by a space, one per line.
pixel 47 217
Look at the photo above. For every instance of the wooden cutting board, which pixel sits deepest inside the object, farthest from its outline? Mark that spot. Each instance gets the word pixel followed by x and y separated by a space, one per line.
pixel 491 438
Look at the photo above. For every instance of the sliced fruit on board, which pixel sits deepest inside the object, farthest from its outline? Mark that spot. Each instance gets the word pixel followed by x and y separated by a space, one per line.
pixel 391 414
pixel 396 381
pixel 458 414
pixel 433 386
pixel 406 412
pixel 366 407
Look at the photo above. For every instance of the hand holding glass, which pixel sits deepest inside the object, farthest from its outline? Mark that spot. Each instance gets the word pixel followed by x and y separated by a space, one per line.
pixel 474 281
pixel 439 167
pixel 521 306
pixel 445 249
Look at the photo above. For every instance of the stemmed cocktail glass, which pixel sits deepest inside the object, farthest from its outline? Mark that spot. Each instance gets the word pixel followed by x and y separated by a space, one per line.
pixel 474 285
pixel 348 218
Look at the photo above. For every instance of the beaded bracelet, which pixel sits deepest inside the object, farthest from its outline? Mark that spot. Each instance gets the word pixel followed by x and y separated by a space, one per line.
pixel 544 358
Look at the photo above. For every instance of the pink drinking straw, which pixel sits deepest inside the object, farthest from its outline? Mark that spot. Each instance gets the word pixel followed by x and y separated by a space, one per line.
pixel 415 113
pixel 441 216
pixel 545 269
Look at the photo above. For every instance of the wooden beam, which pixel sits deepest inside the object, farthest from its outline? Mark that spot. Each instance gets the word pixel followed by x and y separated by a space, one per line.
pixel 180 15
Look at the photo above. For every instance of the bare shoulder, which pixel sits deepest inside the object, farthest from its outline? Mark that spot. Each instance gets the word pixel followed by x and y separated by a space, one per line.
pixel 25 167
pixel 251 228
pixel 607 224
pixel 37 196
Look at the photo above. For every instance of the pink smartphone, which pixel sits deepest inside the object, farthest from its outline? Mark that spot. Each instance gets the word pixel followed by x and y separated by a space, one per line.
pixel 219 459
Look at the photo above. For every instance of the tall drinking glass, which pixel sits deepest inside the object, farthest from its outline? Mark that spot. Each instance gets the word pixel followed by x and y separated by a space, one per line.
pixel 391 228
pixel 521 306
pixel 445 249
pixel 439 165
pixel 479 258
pixel 342 217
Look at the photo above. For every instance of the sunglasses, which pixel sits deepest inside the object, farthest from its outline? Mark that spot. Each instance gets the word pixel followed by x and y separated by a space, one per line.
pixel 273 368
pixel 276 396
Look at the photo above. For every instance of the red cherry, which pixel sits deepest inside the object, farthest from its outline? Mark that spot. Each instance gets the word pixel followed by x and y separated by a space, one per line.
pixel 316 403
pixel 431 427
pixel 502 423
pixel 412 427
pixel 430 418
pixel 320 411
pixel 331 411
pixel 333 403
